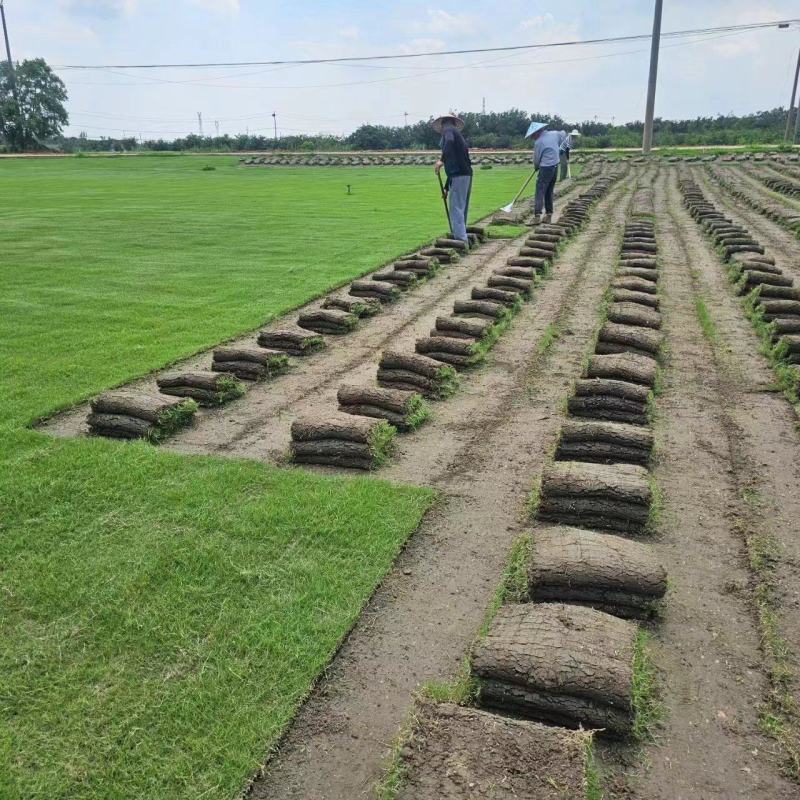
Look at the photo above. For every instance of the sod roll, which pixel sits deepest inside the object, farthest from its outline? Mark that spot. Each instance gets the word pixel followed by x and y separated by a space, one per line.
pixel 379 290
pixel 406 410
pixel 360 306
pixel 295 341
pixel 606 572
pixel 604 442
pixel 129 414
pixel 563 664
pixel 205 388
pixel 332 321
pixel 626 313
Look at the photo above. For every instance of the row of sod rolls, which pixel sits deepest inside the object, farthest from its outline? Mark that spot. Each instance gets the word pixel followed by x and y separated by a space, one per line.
pixel 735 183
pixel 770 297
pixel 457 342
pixel 154 415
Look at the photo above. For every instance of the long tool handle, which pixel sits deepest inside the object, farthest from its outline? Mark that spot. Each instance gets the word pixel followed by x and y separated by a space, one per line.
pixel 444 199
pixel 524 186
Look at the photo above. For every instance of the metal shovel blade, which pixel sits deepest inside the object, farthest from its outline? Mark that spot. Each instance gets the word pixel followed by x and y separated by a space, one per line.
pixel 508 208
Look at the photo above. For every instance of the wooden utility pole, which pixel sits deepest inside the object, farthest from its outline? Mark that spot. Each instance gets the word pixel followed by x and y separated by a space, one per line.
pixel 790 119
pixel 12 78
pixel 647 139
pixel 275 125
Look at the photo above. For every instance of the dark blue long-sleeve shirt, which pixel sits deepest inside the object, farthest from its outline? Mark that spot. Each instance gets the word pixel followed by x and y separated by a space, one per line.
pixel 455 153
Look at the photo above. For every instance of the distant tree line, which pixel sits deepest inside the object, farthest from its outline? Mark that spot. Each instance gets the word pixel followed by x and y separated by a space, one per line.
pixel 503 130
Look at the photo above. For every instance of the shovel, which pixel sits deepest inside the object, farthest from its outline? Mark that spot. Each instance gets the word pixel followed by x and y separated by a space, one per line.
pixel 444 199
pixel 508 208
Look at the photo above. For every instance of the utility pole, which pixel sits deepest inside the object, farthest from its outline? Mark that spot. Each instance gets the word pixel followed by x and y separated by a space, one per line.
pixel 790 119
pixel 275 125
pixel 200 123
pixel 216 127
pixel 483 107
pixel 647 139
pixel 12 78
pixel 405 114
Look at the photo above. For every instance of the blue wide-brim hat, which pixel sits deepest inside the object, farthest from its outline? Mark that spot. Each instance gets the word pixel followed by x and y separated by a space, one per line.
pixel 535 127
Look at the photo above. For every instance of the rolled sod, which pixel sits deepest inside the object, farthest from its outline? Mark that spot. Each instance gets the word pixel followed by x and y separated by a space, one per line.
pixel 481 308
pixel 421 267
pixel 332 321
pixel 445 255
pixel 405 279
pixel 478 230
pixel 540 244
pixel 624 367
pixel 454 753
pixel 564 664
pixel 250 363
pixel 411 371
pixel 628 296
pixel 361 306
pixel 615 338
pixel 784 325
pixel 512 271
pixel 752 258
pixel 378 290
pixel 604 442
pixel 522 286
pixel 738 268
pixel 342 440
pixel 627 313
pixel 294 341
pixel 127 414
pixel 634 284
pixel 498 291
pixel 552 238
pixel 605 496
pixel 205 388
pixel 640 246
pixel 463 327
pixel 406 410
pixel 606 572
pixel 774 309
pixel 748 278
pixel 642 273
pixel 730 250
pixel 632 261
pixel 770 292
pixel 459 353
pixel 608 407
pixel 533 257
pixel 453 244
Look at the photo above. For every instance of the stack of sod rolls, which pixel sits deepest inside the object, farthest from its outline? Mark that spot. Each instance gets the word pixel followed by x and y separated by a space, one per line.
pixel 206 388
pixel 405 410
pixel 139 415
pixel 416 373
pixel 342 440
pixel 294 341
pixel 248 362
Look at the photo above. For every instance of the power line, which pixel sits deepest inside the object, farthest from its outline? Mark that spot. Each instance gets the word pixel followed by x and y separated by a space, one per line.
pixel 384 57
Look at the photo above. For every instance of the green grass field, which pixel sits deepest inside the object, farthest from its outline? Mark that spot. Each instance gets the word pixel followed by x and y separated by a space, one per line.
pixel 162 615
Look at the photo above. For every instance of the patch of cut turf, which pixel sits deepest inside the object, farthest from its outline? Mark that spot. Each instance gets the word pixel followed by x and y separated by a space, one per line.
pixel 381 442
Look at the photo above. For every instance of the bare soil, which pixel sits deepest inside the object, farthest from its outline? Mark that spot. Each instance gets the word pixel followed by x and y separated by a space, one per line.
pixel 723 434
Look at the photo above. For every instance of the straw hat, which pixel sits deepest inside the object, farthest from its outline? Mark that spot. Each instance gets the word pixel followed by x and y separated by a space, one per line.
pixel 438 123
pixel 574 132
pixel 535 127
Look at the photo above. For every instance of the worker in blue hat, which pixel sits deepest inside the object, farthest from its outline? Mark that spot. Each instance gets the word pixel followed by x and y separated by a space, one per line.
pixel 546 159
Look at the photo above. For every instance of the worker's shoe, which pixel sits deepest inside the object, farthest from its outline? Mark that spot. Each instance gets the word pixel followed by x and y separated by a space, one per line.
pixel 537 219
pixel 548 218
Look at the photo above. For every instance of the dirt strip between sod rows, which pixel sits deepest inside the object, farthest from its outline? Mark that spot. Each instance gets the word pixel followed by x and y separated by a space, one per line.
pixel 257 425
pixel 720 440
pixel 495 434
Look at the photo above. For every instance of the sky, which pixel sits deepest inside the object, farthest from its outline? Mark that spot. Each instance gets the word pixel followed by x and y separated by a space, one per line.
pixel 703 76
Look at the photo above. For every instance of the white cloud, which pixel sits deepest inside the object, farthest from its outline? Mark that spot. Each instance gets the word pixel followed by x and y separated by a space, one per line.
pixel 422 46
pixel 350 32
pixel 537 22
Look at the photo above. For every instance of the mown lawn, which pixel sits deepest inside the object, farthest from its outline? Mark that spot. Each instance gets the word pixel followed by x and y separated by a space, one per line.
pixel 161 615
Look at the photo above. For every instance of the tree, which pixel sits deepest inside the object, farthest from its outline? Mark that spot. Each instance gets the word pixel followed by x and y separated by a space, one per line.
pixel 40 114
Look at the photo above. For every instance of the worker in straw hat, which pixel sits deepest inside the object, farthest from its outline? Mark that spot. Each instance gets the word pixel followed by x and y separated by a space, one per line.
pixel 458 168
pixel 565 151
pixel 546 158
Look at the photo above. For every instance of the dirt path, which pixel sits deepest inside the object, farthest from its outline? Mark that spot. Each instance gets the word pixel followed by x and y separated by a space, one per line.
pixel 422 619
pixel 711 425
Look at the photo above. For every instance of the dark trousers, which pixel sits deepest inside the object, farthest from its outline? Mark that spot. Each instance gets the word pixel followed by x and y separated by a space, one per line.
pixel 564 166
pixel 545 184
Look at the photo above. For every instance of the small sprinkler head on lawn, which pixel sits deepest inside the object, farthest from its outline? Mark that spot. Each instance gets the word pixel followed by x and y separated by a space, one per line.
pixel 348 189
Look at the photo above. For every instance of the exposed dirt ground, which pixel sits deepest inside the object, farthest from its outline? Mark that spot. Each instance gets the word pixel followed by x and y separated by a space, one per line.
pixel 707 646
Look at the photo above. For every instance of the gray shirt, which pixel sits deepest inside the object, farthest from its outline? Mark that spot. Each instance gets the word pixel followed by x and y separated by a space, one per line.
pixel 546 150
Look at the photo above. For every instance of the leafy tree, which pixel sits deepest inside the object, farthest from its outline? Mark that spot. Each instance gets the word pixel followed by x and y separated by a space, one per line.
pixel 39 113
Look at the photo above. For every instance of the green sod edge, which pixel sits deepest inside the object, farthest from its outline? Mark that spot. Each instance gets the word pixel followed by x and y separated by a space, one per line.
pixel 172 420
pixel 417 412
pixel 648 709
pixel 381 443
pixel 446 381
pixel 229 388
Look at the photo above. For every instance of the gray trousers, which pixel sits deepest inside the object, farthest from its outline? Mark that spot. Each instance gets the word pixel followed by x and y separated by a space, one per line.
pixel 458 200
pixel 564 166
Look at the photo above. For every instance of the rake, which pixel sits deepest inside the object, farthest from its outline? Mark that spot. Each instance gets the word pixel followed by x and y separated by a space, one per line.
pixel 508 208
